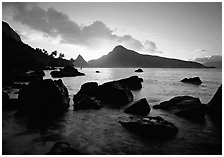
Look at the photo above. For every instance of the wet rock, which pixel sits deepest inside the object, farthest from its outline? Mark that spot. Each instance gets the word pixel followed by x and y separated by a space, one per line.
pixel 97 71
pixel 194 80
pixel 114 92
pixel 63 148
pixel 184 106
pixel 46 97
pixel 133 82
pixel 140 107
pixel 155 127
pixel 138 70
pixel 83 102
pixel 214 107
pixel 67 71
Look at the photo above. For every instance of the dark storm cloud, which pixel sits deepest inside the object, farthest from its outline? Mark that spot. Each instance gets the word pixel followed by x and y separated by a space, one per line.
pixel 54 23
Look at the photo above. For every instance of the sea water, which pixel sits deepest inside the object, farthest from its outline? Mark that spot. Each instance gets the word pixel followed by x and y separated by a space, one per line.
pixel 98 131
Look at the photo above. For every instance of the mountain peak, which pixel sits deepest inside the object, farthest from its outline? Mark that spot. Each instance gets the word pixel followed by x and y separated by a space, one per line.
pixel 119 48
pixel 80 62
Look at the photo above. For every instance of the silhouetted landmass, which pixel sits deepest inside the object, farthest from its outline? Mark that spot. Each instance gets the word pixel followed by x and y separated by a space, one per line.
pixel 80 62
pixel 18 56
pixel 216 64
pixel 122 57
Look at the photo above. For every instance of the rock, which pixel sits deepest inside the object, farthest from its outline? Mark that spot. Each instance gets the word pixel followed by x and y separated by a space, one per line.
pixel 63 148
pixel 49 68
pixel 138 70
pixel 140 107
pixel 7 103
pixel 184 106
pixel 45 97
pixel 5 98
pixel 155 127
pixel 85 102
pixel 194 80
pixel 97 71
pixel 67 71
pixel 114 92
pixel 214 107
pixel 133 82
pixel 20 76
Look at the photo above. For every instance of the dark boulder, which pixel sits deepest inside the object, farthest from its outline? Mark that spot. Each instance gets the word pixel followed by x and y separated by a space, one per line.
pixel 133 82
pixel 5 99
pixel 63 148
pixel 48 68
pixel 67 71
pixel 214 107
pixel 194 80
pixel 7 103
pixel 46 97
pixel 114 92
pixel 140 107
pixel 138 70
pixel 184 106
pixel 83 102
pixel 154 127
pixel 97 71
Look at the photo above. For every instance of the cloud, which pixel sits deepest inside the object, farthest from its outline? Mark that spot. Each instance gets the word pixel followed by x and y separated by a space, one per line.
pixel 151 47
pixel 206 59
pixel 54 23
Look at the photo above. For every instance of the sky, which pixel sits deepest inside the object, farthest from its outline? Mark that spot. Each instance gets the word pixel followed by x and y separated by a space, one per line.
pixel 175 30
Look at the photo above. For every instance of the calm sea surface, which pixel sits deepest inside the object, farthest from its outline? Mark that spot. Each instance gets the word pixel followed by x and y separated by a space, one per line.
pixel 98 131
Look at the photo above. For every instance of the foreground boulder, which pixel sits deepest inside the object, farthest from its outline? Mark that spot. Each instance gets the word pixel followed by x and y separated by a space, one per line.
pixel 7 103
pixel 63 148
pixel 138 70
pixel 83 102
pixel 184 106
pixel 214 107
pixel 46 97
pixel 155 127
pixel 194 80
pixel 133 82
pixel 140 107
pixel 67 71
pixel 97 71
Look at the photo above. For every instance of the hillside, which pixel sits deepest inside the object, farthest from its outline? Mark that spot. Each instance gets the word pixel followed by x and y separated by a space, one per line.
pixel 122 57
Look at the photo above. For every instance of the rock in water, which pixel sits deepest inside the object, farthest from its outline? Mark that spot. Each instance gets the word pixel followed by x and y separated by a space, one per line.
pixel 46 97
pixel 184 106
pixel 86 102
pixel 114 92
pixel 139 70
pixel 140 107
pixel 63 148
pixel 133 82
pixel 67 71
pixel 155 127
pixel 214 107
pixel 97 71
pixel 194 80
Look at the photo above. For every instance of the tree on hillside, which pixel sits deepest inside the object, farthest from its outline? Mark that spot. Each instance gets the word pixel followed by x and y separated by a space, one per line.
pixel 54 54
pixel 61 55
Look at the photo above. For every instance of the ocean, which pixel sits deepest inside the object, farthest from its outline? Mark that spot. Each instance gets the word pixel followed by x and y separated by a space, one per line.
pixel 98 131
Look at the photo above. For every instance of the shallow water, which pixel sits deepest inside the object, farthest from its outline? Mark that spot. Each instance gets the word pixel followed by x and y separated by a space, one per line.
pixel 98 131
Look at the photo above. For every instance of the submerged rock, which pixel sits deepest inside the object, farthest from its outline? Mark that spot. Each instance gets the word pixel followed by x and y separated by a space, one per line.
pixel 155 127
pixel 140 107
pixel 63 148
pixel 84 102
pixel 184 106
pixel 46 97
pixel 67 71
pixel 194 80
pixel 214 107
pixel 138 70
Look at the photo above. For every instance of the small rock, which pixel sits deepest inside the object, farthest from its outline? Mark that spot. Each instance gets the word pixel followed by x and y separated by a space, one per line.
pixel 194 80
pixel 140 107
pixel 138 70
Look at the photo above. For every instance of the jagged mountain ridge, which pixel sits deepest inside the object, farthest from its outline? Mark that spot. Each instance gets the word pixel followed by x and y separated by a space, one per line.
pixel 80 62
pixel 122 57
